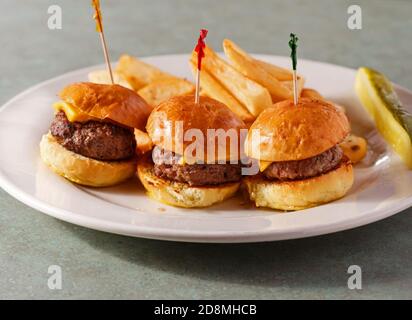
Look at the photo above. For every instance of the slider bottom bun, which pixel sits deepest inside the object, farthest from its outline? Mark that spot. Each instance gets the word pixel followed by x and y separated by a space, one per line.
pixel 300 194
pixel 83 170
pixel 180 194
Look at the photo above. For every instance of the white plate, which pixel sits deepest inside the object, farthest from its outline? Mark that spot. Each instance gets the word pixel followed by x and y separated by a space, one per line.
pixel 382 183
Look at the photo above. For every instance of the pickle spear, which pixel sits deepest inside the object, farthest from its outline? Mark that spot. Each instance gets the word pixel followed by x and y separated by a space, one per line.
pixel 392 120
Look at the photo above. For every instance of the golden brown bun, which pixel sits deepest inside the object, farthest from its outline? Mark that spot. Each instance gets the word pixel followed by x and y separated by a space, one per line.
pixel 181 194
pixel 300 194
pixel 208 114
pixel 83 170
pixel 289 132
pixel 104 101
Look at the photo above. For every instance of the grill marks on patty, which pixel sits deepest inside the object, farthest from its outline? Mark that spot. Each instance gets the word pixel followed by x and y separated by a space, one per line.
pixel 166 166
pixel 93 139
pixel 307 168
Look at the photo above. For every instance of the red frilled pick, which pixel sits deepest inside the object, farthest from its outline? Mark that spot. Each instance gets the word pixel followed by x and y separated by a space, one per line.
pixel 199 49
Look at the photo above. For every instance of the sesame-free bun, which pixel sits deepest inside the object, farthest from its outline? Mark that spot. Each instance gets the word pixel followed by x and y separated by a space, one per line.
pixel 108 102
pixel 300 194
pixel 180 194
pixel 165 132
pixel 289 132
pixel 83 170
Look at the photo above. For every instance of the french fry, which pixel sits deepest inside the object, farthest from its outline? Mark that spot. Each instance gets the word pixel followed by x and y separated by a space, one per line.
pixel 161 90
pixel 203 93
pixel 279 73
pixel 139 73
pixel 311 94
pixel 248 66
pixel 143 142
pixel 103 77
pixel 252 95
pixel 213 89
pixel 354 148
pixel 289 84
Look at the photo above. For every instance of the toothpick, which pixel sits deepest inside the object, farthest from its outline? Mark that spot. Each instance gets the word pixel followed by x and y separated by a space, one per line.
pixel 293 44
pixel 200 55
pixel 106 56
pixel 295 88
pixel 99 28
pixel 197 95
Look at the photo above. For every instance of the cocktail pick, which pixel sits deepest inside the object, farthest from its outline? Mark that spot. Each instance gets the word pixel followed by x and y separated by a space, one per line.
pixel 293 44
pixel 99 28
pixel 199 49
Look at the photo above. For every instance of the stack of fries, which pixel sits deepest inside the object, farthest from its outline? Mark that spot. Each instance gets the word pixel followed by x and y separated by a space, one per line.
pixel 245 84
pixel 151 83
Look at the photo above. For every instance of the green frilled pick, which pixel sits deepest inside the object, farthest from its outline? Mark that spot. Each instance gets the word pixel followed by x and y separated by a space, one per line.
pixel 293 44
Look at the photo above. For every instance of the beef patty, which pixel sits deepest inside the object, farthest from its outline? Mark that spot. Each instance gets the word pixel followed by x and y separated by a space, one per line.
pixel 93 139
pixel 166 166
pixel 307 168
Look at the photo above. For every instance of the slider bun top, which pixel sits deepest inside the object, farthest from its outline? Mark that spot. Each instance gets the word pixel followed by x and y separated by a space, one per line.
pixel 108 102
pixel 164 129
pixel 289 132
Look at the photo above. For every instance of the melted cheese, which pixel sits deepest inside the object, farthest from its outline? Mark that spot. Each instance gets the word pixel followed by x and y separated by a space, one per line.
pixel 73 113
pixel 183 161
pixel 263 165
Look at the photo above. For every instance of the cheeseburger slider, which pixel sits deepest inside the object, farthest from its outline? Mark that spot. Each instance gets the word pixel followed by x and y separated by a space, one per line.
pixel 175 175
pixel 91 140
pixel 301 164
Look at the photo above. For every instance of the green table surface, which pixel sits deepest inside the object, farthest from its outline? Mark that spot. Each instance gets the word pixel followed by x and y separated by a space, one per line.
pixel 100 265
